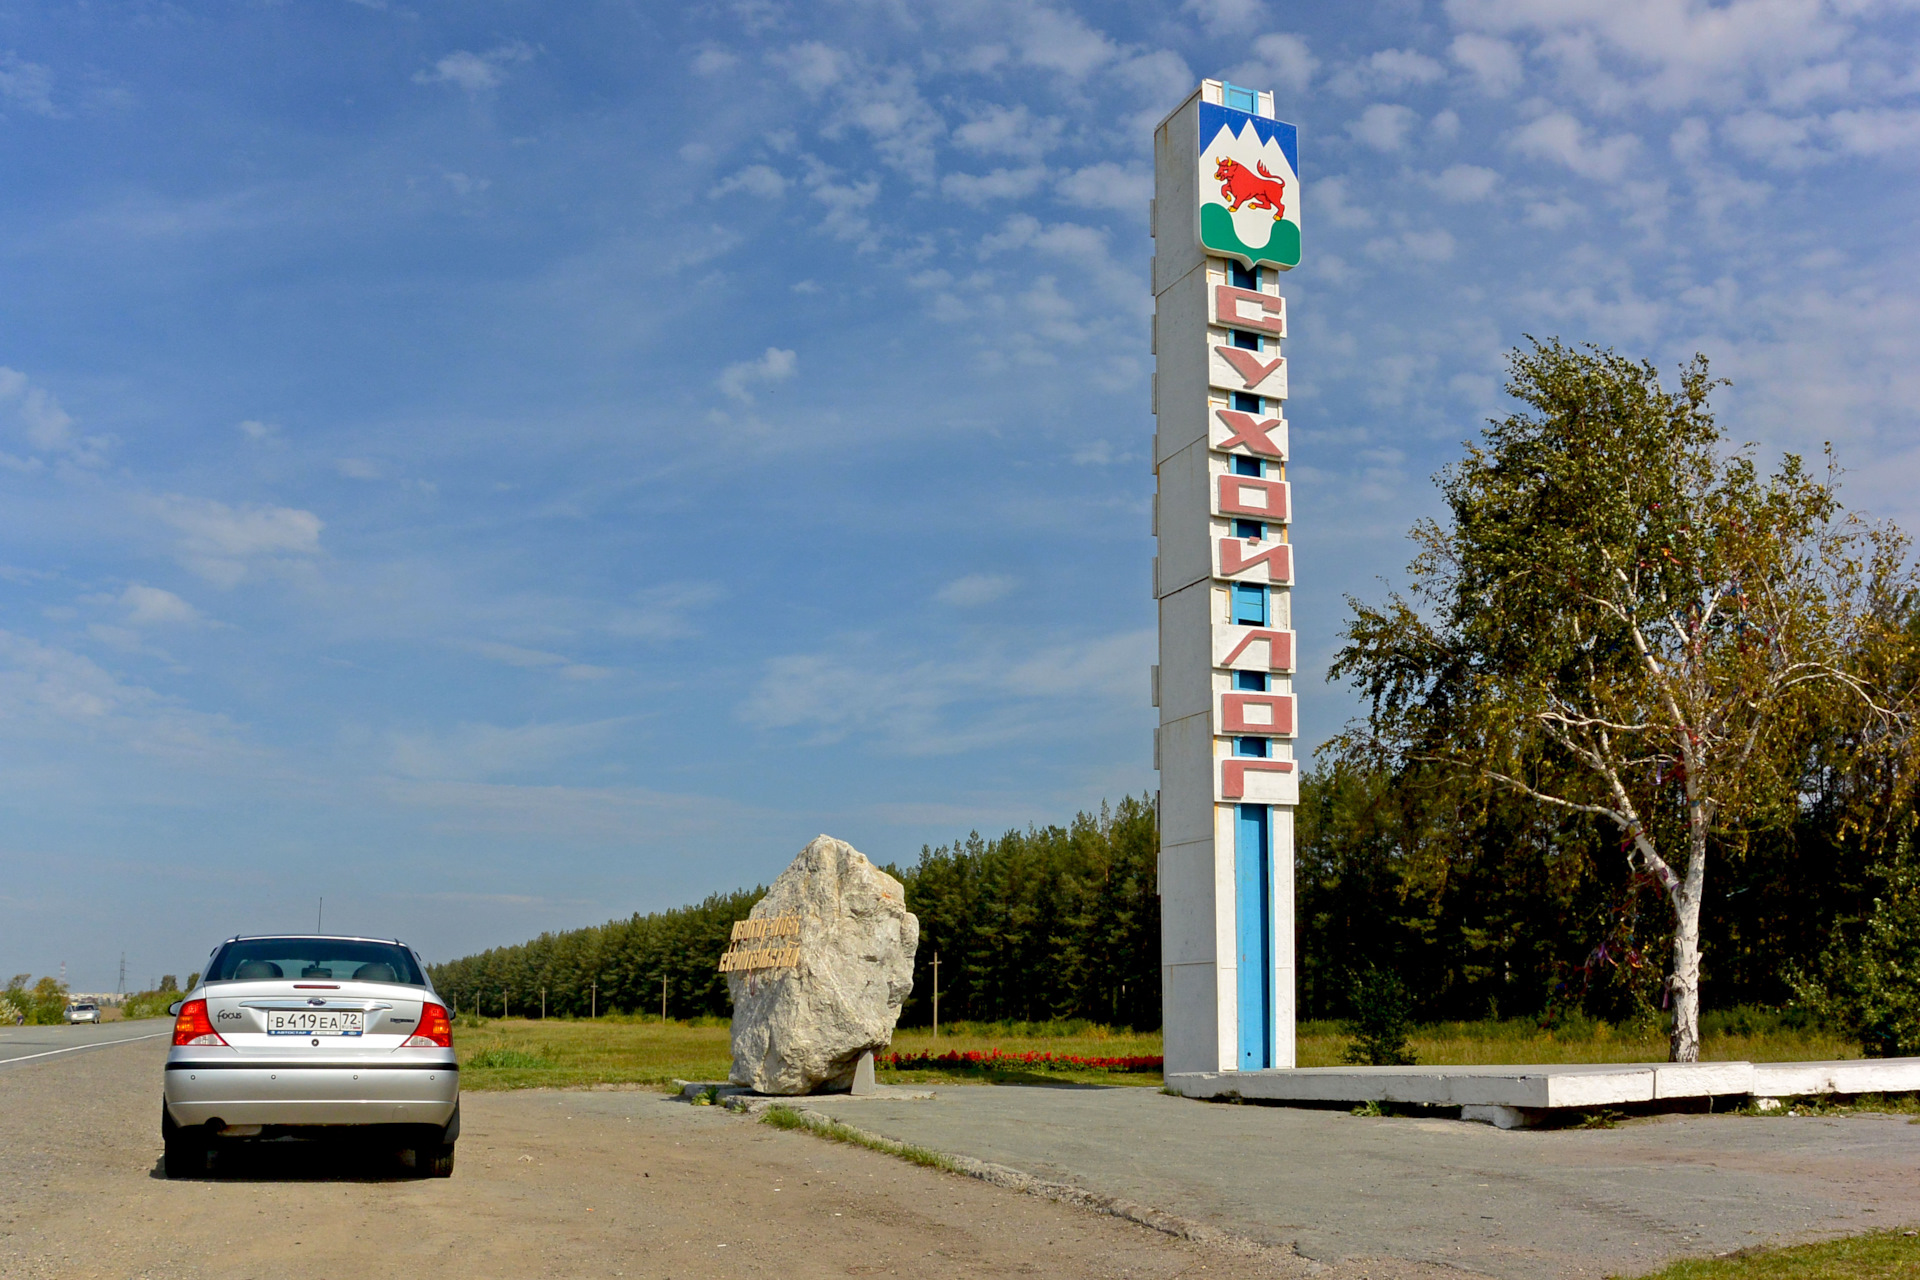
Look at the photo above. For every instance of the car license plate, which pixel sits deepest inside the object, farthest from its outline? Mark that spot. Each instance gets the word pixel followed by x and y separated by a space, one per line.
pixel 315 1022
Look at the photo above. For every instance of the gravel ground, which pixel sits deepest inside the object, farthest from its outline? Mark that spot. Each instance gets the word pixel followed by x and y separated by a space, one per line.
pixel 1515 1204
pixel 548 1184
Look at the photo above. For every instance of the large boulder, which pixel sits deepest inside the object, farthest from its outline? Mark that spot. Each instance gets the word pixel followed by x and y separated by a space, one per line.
pixel 802 1028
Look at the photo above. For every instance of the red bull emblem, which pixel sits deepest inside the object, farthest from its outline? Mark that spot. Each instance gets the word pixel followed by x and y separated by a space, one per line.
pixel 1240 186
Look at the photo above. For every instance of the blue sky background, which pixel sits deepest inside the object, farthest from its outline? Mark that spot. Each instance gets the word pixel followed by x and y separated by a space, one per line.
pixel 505 465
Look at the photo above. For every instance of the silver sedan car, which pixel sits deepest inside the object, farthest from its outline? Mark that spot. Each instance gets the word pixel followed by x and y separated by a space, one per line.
pixel 310 1036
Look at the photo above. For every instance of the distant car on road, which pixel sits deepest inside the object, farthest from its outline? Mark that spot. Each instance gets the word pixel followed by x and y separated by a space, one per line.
pixel 83 1011
pixel 317 1037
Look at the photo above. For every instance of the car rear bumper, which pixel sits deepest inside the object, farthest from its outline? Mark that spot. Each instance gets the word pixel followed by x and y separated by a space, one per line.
pixel 359 1093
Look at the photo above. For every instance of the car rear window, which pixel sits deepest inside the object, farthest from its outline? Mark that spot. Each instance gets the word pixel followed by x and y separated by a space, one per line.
pixel 314 960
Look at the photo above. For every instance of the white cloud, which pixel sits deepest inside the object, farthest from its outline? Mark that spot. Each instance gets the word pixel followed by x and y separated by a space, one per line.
pixel 1106 186
pixel 1875 132
pixel 763 182
pixel 46 426
pixel 476 72
pixel 1010 131
pixel 254 429
pixel 1436 245
pixel 975 589
pixel 1383 126
pixel 937 707
pixel 712 61
pixel 1665 52
pixel 357 468
pixel 221 543
pixel 1001 184
pixel 811 66
pixel 1281 60
pixel 1558 136
pixel 1226 17
pixel 515 656
pixel 51 691
pixel 775 365
pixel 1464 183
pixel 1386 71
pixel 1331 203
pixel 1493 63
pixel 472 752
pixel 1060 42
pixel 27 84
pixel 148 606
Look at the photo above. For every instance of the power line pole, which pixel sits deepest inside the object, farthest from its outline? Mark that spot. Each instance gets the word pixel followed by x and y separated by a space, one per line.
pixel 543 1004
pixel 593 1008
pixel 936 995
pixel 663 997
pixel 122 988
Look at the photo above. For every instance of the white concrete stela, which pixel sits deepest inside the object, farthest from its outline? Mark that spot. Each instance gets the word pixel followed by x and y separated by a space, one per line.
pixel 1517 1096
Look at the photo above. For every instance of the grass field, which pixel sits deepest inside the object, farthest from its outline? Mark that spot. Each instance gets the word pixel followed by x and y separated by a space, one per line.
pixel 519 1053
pixel 1880 1256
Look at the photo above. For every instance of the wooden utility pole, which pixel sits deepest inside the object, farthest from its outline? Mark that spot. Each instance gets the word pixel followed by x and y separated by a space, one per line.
pixel 936 995
pixel 593 1007
pixel 663 997
pixel 543 1004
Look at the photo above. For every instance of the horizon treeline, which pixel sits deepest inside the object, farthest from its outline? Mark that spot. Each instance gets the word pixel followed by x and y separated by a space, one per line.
pixel 1485 906
pixel 1050 922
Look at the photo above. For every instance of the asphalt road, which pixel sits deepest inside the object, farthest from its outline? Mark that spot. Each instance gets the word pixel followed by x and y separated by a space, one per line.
pixel 20 1045
pixel 1514 1204
pixel 601 1183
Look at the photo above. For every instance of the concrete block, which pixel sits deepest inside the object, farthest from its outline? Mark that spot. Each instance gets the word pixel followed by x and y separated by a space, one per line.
pixel 1505 1117
pixel 1186 778
pixel 1181 364
pixel 1191 997
pixel 1702 1079
pixel 1186 529
pixel 1189 904
pixel 1176 202
pixel 1186 643
pixel 1850 1075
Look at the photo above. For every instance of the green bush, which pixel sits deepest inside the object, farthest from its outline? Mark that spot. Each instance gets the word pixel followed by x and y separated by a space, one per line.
pixel 1867 983
pixel 1382 1020
pixel 44 1004
pixel 149 1004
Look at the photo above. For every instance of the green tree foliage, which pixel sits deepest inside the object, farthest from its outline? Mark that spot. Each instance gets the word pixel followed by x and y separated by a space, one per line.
pixel 1623 621
pixel 1868 981
pixel 1049 922
pixel 44 1004
pixel 620 965
pixel 1382 1020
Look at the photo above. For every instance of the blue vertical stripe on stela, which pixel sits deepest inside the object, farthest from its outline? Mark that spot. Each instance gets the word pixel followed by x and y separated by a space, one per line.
pixel 1253 899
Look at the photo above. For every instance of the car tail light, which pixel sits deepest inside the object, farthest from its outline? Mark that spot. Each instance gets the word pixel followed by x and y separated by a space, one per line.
pixel 192 1026
pixel 435 1030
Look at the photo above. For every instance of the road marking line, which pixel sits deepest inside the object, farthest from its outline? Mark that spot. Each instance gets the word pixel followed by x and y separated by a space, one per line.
pixel 104 1044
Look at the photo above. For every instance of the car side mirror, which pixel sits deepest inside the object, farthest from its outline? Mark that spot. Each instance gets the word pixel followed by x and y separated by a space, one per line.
pixel 174 1008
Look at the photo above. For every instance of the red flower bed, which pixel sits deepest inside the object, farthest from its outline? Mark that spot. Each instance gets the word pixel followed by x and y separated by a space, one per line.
pixel 997 1060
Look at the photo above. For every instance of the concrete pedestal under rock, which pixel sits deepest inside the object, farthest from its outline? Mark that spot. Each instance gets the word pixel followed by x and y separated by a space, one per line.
pixel 802 1028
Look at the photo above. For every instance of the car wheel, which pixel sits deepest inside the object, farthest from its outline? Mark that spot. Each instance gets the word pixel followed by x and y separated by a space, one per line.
pixel 188 1155
pixel 437 1161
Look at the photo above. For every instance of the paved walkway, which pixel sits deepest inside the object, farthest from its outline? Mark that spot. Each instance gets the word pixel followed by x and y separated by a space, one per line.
pixel 1512 1204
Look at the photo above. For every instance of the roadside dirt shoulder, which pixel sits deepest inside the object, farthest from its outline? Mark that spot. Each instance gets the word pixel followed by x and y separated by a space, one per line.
pixel 548 1184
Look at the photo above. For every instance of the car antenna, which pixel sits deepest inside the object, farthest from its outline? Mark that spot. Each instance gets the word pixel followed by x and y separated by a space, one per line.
pixel 320 915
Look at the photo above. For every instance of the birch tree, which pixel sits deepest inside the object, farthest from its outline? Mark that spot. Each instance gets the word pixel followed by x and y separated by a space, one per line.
pixel 1625 619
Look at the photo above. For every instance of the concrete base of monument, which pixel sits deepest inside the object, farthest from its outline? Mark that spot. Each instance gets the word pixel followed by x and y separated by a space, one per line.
pixel 1522 1096
pixel 722 1093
